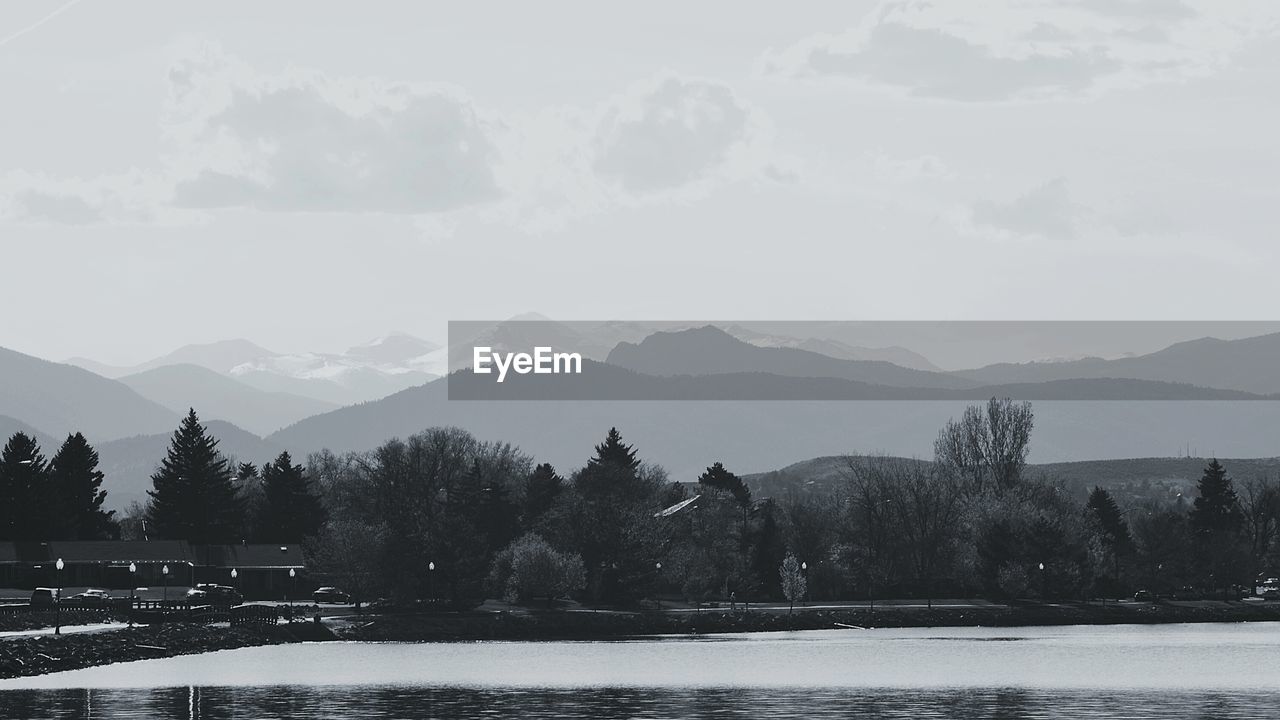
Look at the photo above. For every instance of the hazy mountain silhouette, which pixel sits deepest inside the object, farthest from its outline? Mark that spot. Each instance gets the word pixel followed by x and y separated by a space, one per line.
pixel 218 356
pixel 396 348
pixel 9 426
pixel 524 332
pixel 710 350
pixel 365 372
pixel 128 463
pixel 61 399
pixel 1249 365
pixel 179 387
pixel 602 381
pixel 685 437
pixel 899 356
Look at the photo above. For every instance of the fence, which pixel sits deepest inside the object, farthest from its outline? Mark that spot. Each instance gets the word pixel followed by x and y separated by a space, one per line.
pixel 159 611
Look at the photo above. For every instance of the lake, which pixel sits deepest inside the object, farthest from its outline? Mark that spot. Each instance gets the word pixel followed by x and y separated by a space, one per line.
pixel 1209 671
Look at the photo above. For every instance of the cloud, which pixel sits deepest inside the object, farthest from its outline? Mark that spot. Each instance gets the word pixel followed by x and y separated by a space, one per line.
pixel 304 142
pixel 1026 49
pixel 1046 211
pixel 132 197
pixel 670 134
pixel 666 138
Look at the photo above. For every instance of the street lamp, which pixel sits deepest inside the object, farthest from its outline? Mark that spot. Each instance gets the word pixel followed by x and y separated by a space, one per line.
pixel 57 606
pixel 164 571
pixel 1043 585
pixel 133 584
pixel 292 585
pixel 235 574
pixel 431 581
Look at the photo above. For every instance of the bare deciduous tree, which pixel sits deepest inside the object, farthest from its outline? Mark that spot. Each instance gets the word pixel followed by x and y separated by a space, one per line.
pixel 988 446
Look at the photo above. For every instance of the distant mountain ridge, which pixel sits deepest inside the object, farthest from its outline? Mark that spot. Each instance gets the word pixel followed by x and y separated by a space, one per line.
pixel 1248 365
pixel 179 387
pixel 709 350
pixel 364 372
pixel 59 399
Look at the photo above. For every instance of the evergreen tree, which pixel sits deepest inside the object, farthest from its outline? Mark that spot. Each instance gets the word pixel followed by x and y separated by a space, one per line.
pixel 541 491
pixel 719 478
pixel 615 454
pixel 614 471
pixel 1217 523
pixel 77 494
pixel 24 490
pixel 768 549
pixel 1217 509
pixel 1110 519
pixel 193 496
pixel 615 500
pixel 292 509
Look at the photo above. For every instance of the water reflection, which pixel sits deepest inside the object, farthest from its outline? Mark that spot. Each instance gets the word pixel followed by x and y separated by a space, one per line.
pixel 264 703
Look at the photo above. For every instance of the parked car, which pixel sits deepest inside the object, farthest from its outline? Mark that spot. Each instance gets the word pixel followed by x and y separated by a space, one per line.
pixel 209 593
pixel 91 598
pixel 331 595
pixel 1144 596
pixel 43 597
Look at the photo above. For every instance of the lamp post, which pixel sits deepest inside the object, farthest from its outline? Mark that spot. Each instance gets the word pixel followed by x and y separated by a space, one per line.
pixel 804 570
pixel 235 574
pixel 57 602
pixel 164 571
pixel 133 584
pixel 292 586
pixel 1043 585
pixel 431 581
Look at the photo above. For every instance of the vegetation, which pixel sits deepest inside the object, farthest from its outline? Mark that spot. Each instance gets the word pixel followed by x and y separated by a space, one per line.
pixel 445 516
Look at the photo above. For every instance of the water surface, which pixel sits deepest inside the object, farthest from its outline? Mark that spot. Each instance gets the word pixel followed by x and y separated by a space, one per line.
pixel 1210 671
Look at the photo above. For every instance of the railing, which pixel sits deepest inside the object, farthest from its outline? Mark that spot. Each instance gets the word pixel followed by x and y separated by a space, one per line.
pixel 150 611
pixel 254 615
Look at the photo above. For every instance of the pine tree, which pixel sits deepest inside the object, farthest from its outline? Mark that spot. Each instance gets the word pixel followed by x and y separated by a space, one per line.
pixel 24 490
pixel 1109 517
pixel 292 509
pixel 1217 509
pixel 77 494
pixel 719 478
pixel 613 472
pixel 541 491
pixel 615 454
pixel 194 498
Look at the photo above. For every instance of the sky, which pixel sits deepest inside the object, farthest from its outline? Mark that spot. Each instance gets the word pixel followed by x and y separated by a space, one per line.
pixel 310 175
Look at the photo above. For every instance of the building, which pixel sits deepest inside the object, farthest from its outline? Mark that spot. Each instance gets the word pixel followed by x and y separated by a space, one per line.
pixel 261 571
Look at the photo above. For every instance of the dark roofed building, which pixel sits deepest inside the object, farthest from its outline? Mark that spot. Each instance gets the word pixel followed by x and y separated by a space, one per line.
pixel 261 570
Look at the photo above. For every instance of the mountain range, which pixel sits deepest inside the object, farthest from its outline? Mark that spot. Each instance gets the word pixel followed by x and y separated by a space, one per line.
pixel 364 372
pixel 259 402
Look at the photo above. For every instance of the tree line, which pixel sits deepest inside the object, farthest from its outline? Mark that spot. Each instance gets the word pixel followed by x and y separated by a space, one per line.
pixel 444 515
pixel 197 495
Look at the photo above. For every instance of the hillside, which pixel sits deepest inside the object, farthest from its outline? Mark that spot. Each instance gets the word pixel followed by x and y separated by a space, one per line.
pixel 710 350
pixel 218 397
pixel 129 462
pixel 9 426
pixel 1247 365
pixel 60 399
pixel 686 437
pixel 1132 481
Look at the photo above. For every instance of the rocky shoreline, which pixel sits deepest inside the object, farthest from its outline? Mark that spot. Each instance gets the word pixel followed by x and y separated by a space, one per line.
pixel 49 653
pixel 43 654
pixel 587 625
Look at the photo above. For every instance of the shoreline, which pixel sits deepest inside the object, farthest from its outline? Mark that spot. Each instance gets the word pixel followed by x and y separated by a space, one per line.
pixel 45 654
pixel 533 625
